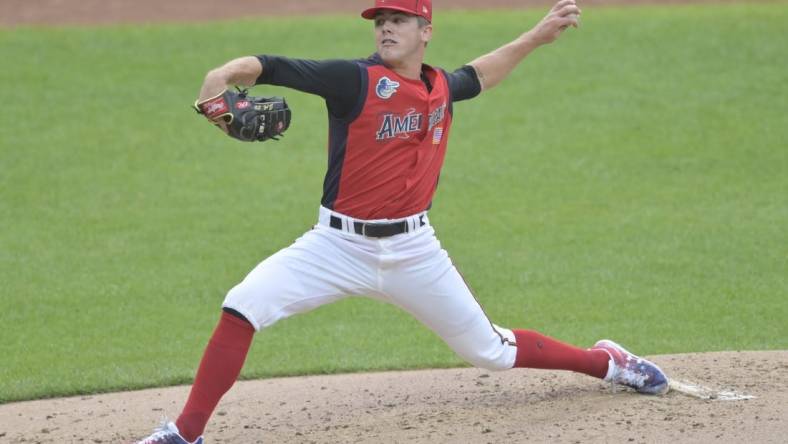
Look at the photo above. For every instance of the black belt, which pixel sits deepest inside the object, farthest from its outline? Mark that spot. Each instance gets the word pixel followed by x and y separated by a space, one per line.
pixel 377 229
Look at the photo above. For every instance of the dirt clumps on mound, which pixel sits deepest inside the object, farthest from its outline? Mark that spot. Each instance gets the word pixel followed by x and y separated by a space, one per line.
pixel 442 406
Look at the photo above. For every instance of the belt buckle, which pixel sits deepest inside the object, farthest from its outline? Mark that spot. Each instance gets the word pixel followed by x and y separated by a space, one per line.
pixel 365 225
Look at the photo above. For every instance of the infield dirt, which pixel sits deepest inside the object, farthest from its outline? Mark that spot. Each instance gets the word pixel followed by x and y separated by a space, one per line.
pixel 426 406
pixel 441 406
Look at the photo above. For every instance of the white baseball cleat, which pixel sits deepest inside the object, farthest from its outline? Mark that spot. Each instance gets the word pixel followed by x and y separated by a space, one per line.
pixel 168 433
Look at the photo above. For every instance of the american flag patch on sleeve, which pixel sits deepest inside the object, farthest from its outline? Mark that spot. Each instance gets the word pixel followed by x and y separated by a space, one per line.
pixel 437 135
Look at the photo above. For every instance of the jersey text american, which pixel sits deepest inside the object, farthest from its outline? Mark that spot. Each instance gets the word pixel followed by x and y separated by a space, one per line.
pixel 394 125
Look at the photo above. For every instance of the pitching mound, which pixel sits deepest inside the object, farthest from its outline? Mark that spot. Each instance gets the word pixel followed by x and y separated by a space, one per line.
pixel 442 406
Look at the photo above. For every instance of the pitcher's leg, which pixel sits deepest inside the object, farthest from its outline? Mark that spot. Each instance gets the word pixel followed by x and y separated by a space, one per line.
pixel 314 271
pixel 426 284
pixel 535 350
pixel 430 287
pixel 219 368
pixel 449 308
pixel 319 268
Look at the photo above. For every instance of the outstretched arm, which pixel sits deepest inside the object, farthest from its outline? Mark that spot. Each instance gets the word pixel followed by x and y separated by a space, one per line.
pixel 495 66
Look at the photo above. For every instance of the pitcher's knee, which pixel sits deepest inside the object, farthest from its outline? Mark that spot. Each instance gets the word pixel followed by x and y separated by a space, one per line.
pixel 241 300
pixel 486 346
pixel 493 362
pixel 239 295
pixel 489 352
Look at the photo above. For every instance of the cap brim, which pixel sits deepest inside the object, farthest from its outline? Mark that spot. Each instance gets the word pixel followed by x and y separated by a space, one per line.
pixel 369 14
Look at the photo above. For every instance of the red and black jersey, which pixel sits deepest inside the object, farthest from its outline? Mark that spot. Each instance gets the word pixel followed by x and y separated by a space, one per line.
pixel 387 134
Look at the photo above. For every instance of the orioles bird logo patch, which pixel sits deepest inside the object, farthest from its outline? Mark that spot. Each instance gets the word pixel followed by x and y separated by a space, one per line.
pixel 386 87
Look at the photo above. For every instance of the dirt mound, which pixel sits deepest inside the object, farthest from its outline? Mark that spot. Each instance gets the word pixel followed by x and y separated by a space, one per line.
pixel 437 406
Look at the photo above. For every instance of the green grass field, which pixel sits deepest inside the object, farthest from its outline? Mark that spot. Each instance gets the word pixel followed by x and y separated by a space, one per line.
pixel 629 181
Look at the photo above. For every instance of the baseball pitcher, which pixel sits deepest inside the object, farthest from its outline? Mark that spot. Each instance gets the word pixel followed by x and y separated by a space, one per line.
pixel 390 117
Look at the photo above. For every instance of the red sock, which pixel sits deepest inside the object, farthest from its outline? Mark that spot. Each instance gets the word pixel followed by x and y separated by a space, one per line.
pixel 535 350
pixel 220 366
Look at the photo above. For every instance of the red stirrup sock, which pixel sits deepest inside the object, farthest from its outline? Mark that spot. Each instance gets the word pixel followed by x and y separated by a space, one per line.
pixel 535 350
pixel 220 366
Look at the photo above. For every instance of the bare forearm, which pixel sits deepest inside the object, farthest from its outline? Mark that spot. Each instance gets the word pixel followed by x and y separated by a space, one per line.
pixel 496 65
pixel 243 71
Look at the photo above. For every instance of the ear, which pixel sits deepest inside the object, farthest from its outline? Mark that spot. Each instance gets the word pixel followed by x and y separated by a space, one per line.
pixel 426 33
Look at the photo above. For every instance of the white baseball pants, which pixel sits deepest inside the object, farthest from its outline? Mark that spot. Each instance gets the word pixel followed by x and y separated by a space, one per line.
pixel 409 270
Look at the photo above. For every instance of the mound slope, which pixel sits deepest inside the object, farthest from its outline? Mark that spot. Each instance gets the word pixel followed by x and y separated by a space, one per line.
pixel 441 406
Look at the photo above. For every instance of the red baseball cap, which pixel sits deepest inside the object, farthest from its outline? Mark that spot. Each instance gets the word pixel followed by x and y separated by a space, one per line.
pixel 422 8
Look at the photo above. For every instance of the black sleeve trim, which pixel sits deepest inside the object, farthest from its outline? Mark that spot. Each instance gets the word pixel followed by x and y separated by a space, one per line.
pixel 337 81
pixel 464 83
pixel 353 113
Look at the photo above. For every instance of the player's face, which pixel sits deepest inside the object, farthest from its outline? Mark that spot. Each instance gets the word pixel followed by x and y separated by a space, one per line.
pixel 398 36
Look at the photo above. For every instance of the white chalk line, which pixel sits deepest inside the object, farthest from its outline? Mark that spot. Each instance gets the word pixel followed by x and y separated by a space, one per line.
pixel 701 392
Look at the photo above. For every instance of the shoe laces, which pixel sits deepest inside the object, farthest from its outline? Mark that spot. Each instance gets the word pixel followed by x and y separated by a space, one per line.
pixel 160 432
